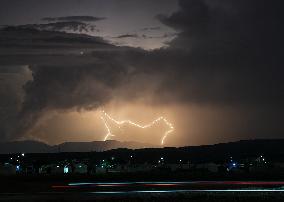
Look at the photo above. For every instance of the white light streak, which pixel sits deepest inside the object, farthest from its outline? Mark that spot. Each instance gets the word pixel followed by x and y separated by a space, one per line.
pixel 186 190
pixel 120 123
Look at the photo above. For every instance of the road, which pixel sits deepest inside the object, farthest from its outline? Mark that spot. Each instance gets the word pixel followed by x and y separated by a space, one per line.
pixel 169 187
pixel 77 191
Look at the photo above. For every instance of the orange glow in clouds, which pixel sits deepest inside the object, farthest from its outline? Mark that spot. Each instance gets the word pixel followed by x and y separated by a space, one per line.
pixel 106 117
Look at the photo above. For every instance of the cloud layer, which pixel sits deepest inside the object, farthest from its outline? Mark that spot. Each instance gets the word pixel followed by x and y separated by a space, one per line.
pixel 227 53
pixel 74 18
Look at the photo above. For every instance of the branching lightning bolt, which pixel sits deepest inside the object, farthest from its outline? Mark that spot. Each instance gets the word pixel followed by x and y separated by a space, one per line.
pixel 119 123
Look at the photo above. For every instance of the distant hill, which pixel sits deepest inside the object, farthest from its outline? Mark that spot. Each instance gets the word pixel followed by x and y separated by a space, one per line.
pixel 273 149
pixel 25 146
pixel 39 147
pixel 101 146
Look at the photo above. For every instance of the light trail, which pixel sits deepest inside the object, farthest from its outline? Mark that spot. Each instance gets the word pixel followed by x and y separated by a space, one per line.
pixel 167 187
pixel 119 123
pixel 186 190
pixel 159 183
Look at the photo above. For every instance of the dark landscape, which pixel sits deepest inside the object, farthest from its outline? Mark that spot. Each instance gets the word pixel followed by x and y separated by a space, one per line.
pixel 199 173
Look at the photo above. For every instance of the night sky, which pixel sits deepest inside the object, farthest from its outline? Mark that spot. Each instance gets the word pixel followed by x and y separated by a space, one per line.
pixel 212 68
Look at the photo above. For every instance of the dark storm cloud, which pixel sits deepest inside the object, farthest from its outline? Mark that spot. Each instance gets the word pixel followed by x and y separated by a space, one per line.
pixel 233 51
pixel 66 88
pixel 66 74
pixel 216 27
pixel 144 36
pixel 151 28
pixel 127 36
pixel 164 36
pixel 74 18
pixel 227 53
pixel 12 78
pixel 19 39
pixel 69 26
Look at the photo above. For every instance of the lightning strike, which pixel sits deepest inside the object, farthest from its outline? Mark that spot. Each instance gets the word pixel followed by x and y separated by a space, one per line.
pixel 120 123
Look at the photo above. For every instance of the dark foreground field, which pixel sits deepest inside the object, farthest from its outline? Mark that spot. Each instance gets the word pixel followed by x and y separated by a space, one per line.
pixel 188 196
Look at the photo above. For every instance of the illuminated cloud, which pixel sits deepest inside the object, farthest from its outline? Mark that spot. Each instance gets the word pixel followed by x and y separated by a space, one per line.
pixel 226 56
pixel 106 117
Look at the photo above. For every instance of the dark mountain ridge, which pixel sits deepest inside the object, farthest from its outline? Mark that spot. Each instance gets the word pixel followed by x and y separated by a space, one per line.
pixel 272 149
pixel 30 146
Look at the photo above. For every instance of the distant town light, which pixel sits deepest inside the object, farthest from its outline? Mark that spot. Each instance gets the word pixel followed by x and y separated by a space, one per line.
pixel 162 158
pixel 131 156
pixel 57 166
pixel 11 158
pixel 23 154
pixel 17 168
pixel 66 169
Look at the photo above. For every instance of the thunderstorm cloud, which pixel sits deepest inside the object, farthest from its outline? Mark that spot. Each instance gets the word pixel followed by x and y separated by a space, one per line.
pixel 226 54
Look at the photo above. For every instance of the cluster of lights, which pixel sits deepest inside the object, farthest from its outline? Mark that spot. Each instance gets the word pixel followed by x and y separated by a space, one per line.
pixel 161 160
pixel 107 163
pixel 119 123
pixel 232 164
pixel 17 160
pixel 262 159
